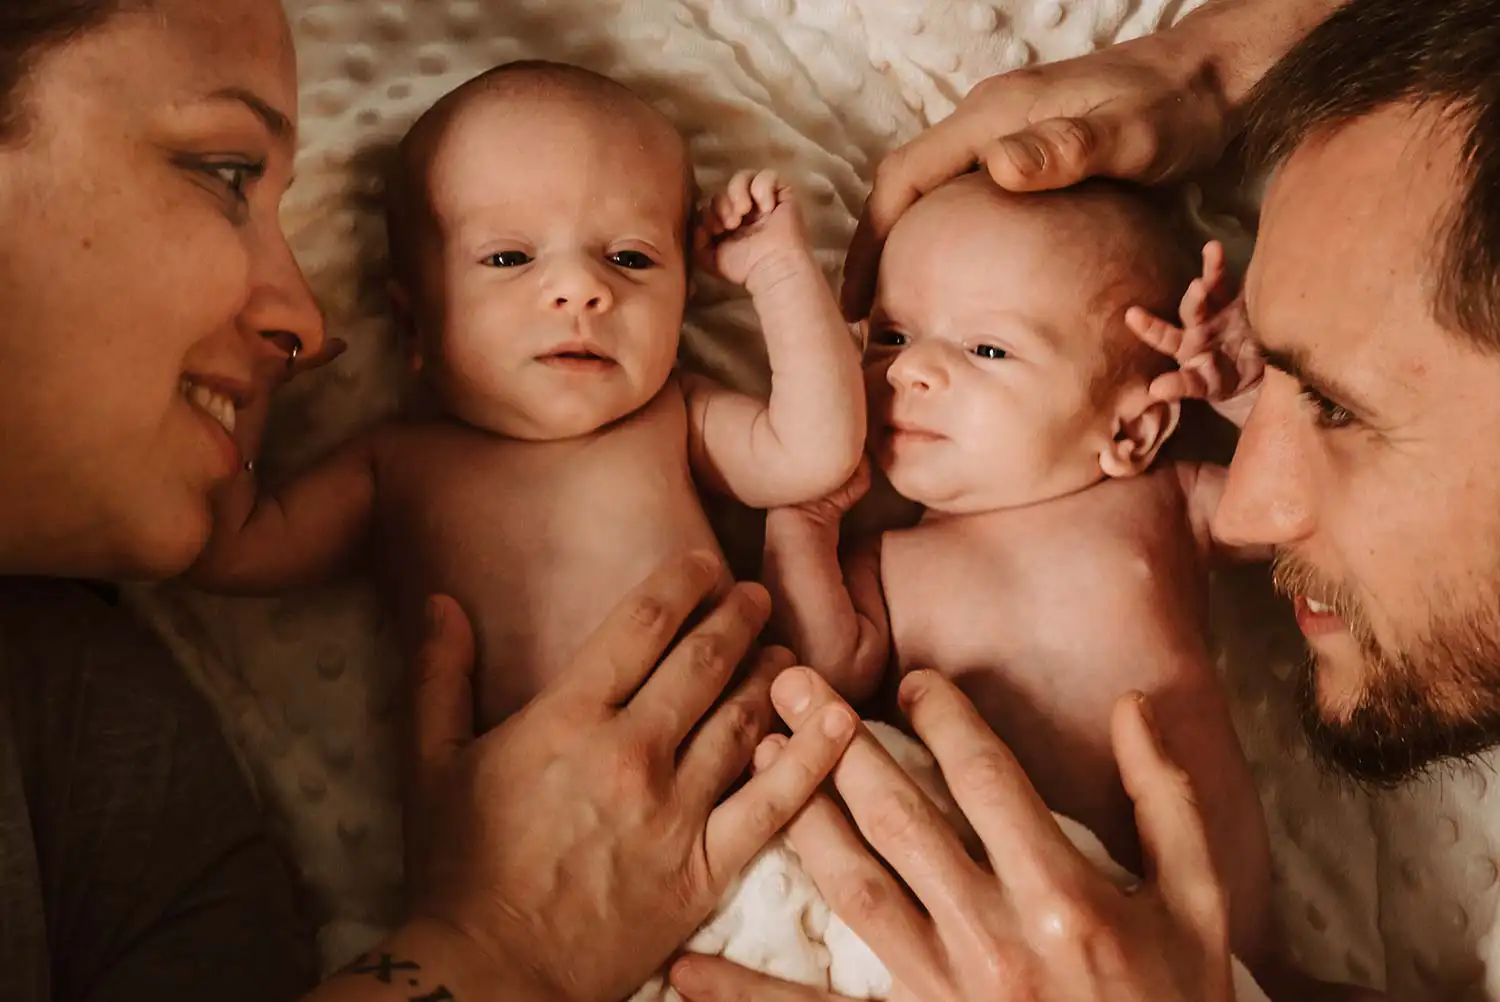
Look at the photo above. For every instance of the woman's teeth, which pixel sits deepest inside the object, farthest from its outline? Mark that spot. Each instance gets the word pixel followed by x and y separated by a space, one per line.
pixel 1318 608
pixel 216 405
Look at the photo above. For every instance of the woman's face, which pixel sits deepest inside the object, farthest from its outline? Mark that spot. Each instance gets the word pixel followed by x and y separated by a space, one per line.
pixel 146 289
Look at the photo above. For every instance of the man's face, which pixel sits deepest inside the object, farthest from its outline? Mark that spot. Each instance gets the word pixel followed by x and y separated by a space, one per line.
pixel 1370 460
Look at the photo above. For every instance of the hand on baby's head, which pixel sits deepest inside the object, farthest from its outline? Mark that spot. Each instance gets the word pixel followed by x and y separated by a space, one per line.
pixel 1000 371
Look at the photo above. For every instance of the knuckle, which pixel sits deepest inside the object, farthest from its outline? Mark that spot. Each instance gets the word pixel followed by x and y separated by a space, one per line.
pixel 746 722
pixel 1067 925
pixel 892 818
pixel 648 612
pixel 709 655
pixel 1074 141
pixel 865 896
pixel 985 774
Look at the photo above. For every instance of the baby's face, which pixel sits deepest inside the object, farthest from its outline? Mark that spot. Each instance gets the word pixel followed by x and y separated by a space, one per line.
pixel 986 346
pixel 554 283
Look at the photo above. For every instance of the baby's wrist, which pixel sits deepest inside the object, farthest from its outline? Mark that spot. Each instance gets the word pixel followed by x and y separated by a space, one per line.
pixel 777 267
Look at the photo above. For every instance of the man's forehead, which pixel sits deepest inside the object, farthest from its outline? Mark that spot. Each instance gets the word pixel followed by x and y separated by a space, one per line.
pixel 1345 260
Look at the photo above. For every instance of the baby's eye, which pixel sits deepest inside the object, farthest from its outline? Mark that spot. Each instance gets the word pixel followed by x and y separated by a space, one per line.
pixel 990 351
pixel 634 260
pixel 508 259
pixel 889 338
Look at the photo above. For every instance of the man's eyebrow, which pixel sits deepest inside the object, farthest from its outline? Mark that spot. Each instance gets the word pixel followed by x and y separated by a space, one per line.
pixel 1294 363
pixel 279 125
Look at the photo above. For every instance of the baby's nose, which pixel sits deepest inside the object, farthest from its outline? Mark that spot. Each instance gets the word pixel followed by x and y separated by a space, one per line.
pixel 578 290
pixel 917 371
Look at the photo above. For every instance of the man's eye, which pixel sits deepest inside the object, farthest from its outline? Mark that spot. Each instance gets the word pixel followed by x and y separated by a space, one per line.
pixel 634 260
pixel 508 259
pixel 990 351
pixel 1327 414
pixel 889 339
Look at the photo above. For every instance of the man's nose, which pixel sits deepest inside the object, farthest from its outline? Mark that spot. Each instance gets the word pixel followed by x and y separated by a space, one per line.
pixel 919 368
pixel 577 287
pixel 1269 499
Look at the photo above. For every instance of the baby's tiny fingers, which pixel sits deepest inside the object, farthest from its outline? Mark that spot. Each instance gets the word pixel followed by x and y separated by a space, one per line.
pixel 764 190
pixel 1156 332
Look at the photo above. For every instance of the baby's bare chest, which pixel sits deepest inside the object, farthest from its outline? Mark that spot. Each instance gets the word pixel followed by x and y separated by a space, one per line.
pixel 538 541
pixel 1055 590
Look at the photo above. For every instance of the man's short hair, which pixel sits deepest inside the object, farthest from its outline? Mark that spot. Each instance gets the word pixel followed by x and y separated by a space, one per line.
pixel 1373 54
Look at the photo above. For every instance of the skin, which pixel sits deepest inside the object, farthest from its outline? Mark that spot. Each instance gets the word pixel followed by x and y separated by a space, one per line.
pixel 547 311
pixel 1055 567
pixel 106 470
pixel 1345 482
pixel 106 467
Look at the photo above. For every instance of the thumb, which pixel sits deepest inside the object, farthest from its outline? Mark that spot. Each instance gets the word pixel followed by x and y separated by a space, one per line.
pixel 442 685
pixel 1058 152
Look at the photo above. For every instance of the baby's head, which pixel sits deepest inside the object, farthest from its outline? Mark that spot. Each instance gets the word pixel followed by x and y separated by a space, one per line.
pixel 1000 371
pixel 538 219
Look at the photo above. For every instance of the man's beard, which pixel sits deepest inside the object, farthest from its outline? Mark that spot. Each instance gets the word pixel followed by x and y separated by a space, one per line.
pixel 1437 698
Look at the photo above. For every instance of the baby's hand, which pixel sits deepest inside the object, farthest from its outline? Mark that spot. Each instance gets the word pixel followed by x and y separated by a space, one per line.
pixel 750 227
pixel 1217 359
pixel 831 510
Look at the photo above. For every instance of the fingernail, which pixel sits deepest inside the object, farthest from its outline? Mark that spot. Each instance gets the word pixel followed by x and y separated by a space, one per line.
pixel 792 690
pixel 837 722
pixel 1024 156
pixel 688 977
pixel 1148 717
pixel 434 614
pixel 912 686
pixel 768 750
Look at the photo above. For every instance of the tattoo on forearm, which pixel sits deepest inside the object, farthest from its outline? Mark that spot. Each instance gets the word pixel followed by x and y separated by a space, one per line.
pixel 402 974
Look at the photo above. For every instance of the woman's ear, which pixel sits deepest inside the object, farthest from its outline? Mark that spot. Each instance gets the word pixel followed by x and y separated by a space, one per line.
pixel 1142 426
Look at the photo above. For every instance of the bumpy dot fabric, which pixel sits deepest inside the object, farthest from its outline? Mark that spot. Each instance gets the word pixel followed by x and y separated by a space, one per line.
pixel 1396 890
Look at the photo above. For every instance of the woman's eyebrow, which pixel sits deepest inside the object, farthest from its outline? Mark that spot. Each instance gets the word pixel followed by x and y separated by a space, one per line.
pixel 276 122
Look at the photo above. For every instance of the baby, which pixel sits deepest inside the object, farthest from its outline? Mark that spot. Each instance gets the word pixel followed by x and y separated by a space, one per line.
pixel 542 236
pixel 1057 565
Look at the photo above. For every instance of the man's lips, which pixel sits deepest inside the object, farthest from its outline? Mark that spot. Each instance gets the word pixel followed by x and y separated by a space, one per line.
pixel 1316 618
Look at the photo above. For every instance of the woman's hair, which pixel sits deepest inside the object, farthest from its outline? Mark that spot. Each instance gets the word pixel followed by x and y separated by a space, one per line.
pixel 28 28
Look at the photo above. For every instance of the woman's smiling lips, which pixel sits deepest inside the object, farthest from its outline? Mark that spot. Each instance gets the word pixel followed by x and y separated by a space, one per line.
pixel 217 401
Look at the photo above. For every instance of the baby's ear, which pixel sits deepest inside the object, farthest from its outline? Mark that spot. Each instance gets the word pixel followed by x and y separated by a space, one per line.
pixel 1142 426
pixel 405 322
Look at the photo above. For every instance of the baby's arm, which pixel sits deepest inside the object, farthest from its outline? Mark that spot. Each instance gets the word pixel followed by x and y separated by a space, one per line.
pixel 806 440
pixel 298 535
pixel 832 617
pixel 1203 486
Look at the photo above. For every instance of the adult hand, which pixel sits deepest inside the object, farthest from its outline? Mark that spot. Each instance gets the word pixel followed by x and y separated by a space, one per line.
pixel 1046 923
pixel 1130 111
pixel 582 841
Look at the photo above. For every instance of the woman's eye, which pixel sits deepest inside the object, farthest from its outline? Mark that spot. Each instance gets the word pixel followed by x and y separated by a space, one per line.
pixel 237 177
pixel 508 259
pixel 990 351
pixel 1327 414
pixel 634 260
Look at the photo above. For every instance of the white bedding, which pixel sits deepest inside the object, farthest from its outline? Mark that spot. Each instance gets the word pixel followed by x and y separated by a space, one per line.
pixel 1395 890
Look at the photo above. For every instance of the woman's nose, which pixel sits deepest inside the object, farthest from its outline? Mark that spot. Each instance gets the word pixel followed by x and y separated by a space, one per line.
pixel 282 310
pixel 1269 499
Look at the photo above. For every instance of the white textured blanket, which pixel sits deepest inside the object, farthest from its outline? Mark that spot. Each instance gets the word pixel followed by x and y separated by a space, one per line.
pixel 1395 891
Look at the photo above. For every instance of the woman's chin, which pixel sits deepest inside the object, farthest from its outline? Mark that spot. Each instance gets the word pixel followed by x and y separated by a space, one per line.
pixel 162 547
